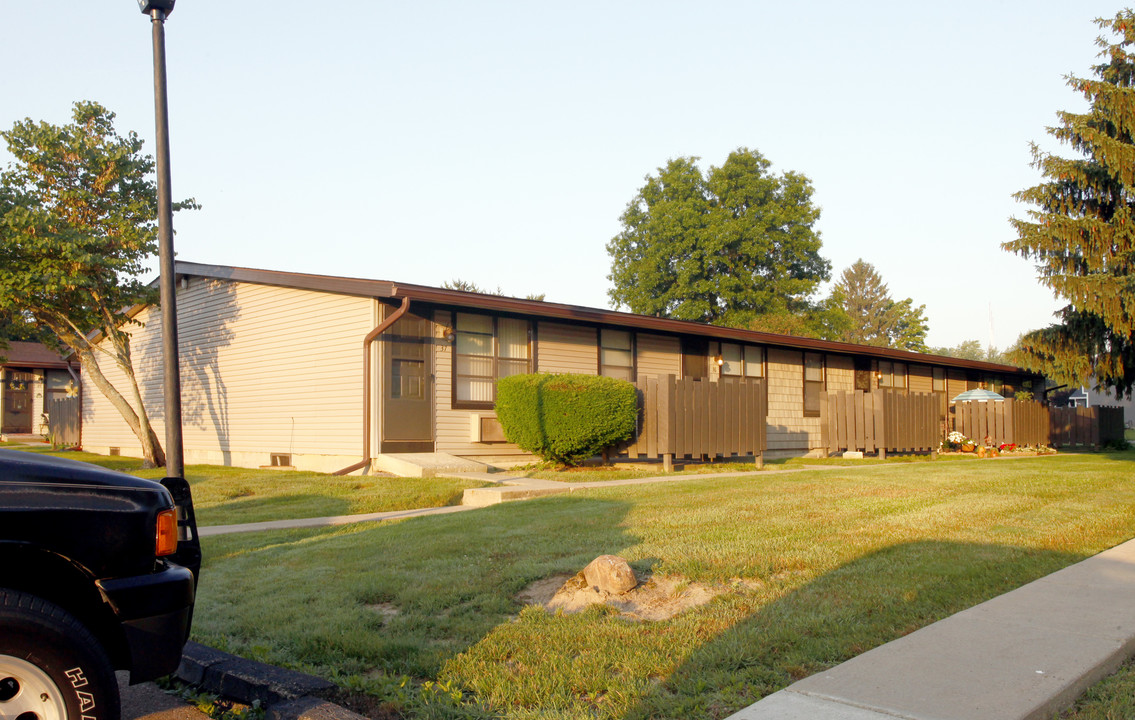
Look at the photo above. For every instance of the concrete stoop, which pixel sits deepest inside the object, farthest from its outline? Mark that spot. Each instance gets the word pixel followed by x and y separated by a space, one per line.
pixel 483 497
pixel 425 464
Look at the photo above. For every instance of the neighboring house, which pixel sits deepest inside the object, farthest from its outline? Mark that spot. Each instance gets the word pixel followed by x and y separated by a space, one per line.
pixel 30 376
pixel 274 370
pixel 1083 397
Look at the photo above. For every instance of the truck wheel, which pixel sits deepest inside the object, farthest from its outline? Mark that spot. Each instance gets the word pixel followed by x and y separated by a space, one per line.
pixel 51 667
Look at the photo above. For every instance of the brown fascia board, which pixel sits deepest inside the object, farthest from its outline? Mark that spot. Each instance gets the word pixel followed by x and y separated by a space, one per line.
pixel 23 354
pixel 325 283
pixel 575 313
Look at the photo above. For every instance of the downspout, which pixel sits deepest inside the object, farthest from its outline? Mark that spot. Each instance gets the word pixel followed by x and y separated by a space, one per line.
pixel 367 341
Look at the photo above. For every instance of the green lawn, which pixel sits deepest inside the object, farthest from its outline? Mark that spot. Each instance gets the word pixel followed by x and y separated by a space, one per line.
pixel 228 495
pixel 628 471
pixel 1111 699
pixel 813 568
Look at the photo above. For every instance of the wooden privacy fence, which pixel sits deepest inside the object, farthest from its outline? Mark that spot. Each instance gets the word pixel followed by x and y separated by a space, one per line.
pixel 63 421
pixel 880 421
pixel 1094 426
pixel 1031 423
pixel 683 417
pixel 1022 422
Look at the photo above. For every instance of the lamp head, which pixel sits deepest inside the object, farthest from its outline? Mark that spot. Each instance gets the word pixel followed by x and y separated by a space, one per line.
pixel 146 6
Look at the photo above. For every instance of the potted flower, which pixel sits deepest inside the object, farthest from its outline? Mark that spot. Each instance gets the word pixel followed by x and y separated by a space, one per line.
pixel 957 440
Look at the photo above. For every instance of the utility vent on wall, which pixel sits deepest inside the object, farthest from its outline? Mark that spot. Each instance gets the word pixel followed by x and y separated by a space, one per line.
pixel 281 460
pixel 486 429
pixel 115 451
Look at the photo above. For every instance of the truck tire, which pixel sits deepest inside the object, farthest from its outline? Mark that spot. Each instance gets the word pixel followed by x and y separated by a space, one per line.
pixel 51 666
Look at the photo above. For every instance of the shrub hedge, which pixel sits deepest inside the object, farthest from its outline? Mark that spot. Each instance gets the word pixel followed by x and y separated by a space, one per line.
pixel 566 418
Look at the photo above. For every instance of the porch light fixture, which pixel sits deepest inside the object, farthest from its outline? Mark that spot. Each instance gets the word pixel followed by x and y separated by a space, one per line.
pixel 719 360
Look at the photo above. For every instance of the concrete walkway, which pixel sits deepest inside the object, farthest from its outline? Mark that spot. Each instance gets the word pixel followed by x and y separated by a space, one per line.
pixel 1022 656
pixel 508 488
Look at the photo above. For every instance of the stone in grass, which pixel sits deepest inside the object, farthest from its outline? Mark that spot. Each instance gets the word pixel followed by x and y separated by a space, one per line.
pixel 610 574
pixel 853 455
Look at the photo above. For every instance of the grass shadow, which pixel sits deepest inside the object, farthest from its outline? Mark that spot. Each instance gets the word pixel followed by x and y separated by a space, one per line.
pixel 872 600
pixel 395 598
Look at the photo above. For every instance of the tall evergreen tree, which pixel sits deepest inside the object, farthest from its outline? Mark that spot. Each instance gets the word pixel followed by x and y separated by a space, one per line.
pixel 874 318
pixel 724 247
pixel 1082 231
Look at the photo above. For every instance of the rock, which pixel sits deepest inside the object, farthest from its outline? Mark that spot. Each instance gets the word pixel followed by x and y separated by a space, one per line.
pixel 610 574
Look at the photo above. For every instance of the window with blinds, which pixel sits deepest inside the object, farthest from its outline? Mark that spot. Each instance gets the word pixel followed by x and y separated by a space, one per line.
pixel 486 348
pixel 742 361
pixel 814 383
pixel 616 354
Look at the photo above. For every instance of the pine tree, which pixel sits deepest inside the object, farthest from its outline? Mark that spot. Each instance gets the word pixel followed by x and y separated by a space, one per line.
pixel 874 318
pixel 1082 231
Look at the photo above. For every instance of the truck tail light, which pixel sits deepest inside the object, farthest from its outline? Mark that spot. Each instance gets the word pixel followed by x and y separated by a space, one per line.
pixel 165 540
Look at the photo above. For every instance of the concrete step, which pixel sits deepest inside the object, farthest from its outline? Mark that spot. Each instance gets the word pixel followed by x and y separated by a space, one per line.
pixel 483 497
pixel 425 464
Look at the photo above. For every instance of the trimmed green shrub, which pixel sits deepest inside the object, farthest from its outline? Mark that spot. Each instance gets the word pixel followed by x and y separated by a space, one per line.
pixel 566 418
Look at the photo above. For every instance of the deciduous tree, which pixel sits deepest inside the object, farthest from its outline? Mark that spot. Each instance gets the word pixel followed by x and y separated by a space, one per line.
pixel 723 247
pixel 78 218
pixel 1081 230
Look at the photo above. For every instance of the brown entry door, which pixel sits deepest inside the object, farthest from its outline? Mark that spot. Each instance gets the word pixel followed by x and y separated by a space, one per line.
pixel 407 393
pixel 695 358
pixel 17 417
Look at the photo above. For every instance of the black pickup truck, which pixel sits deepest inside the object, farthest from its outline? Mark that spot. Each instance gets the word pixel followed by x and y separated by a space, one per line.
pixel 98 572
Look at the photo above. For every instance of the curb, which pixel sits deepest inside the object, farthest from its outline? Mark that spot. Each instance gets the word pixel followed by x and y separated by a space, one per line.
pixel 284 694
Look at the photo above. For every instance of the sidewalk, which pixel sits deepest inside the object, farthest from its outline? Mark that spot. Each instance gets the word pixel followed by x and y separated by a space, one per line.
pixel 1022 656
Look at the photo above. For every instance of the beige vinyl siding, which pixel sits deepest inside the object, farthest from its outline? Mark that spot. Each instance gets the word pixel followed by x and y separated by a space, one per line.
pixel 956 383
pixel 454 428
pixel 658 355
pixel 567 349
pixel 263 370
pixel 788 430
pixel 920 378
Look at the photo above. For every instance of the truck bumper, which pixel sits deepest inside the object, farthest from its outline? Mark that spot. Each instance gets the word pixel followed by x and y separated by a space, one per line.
pixel 156 612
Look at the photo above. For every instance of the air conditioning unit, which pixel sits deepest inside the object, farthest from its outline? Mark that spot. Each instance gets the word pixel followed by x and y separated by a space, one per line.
pixel 485 428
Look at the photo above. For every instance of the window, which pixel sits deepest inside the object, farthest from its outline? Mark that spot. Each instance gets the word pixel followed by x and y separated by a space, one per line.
pixel 813 383
pixel 616 354
pixel 486 348
pixel 938 380
pixel 892 375
pixel 739 361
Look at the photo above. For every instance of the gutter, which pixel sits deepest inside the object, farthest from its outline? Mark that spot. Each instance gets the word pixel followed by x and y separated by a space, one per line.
pixel 367 341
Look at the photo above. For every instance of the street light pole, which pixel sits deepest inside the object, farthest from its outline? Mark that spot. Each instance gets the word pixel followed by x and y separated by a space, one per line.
pixel 158 10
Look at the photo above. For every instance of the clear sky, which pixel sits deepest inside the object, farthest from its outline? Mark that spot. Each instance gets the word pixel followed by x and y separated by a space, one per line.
pixel 499 142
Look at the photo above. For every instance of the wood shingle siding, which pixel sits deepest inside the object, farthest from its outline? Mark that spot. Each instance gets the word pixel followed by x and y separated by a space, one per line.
pixel 263 370
pixel 788 429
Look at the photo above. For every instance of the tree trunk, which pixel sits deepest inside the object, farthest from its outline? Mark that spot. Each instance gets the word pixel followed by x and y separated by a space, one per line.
pixel 151 448
pixel 153 455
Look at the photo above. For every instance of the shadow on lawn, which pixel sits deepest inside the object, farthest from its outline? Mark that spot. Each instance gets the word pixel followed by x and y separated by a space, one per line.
pixel 251 509
pixel 434 598
pixel 865 603
pixel 399 598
